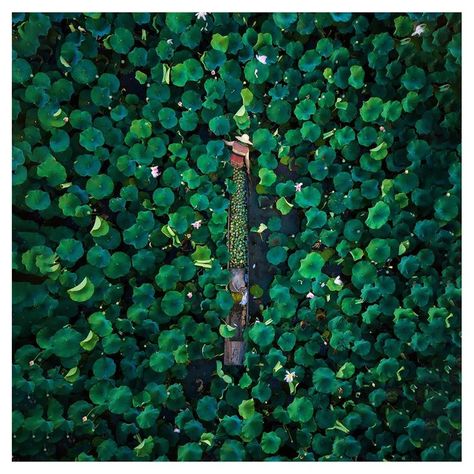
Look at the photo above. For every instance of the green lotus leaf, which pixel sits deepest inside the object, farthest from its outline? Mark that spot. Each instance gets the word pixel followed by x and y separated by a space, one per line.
pixel 267 177
pixel 305 109
pixel 247 408
pixel 161 361
pixel 287 341
pixel 190 452
pixel 446 208
pixel 65 342
pixel 90 341
pixel 91 138
pixel 82 292
pixel 231 450
pixel 311 265
pixel 276 255
pixel 172 303
pixel 414 78
pixel 309 196
pixel 120 400
pixel 284 206
pixel 121 40
pixel 271 442
pixel 279 111
pixel 53 171
pixel 219 125
pixel 59 141
pixel 346 371
pixel 104 368
pixel 262 334
pixel 72 375
pixel 363 273
pixel 118 266
pixel 37 200
pixel 324 380
pixel 70 250
pixel 378 215
pixel 100 227
pixel 378 250
pixel 301 409
pixel 84 71
pixel 207 408
pixel 141 128
pixel 371 109
pixel 356 79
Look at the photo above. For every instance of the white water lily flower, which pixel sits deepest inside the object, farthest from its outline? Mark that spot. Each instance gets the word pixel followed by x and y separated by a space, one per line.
pixel 290 376
pixel 261 58
pixel 201 16
pixel 338 280
pixel 419 30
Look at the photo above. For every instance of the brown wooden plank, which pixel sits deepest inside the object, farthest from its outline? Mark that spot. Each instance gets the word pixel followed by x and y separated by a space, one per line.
pixel 234 352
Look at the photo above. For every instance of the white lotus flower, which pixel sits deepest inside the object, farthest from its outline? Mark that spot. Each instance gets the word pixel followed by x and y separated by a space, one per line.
pixel 290 376
pixel 338 280
pixel 419 30
pixel 169 41
pixel 201 16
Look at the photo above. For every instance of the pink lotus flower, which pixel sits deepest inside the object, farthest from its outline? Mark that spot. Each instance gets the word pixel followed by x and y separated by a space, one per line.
pixel 310 295
pixel 155 172
pixel 262 58
pixel 197 224
pixel 189 295
pixel 298 187
pixel 213 73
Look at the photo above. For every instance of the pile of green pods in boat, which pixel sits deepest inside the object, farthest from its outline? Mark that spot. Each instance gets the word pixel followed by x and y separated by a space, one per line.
pixel 238 245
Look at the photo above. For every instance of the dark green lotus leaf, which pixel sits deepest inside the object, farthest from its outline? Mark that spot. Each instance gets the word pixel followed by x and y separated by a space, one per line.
pixel 262 334
pixel 37 200
pixel 121 41
pixel 53 171
pixel 161 361
pixel 91 138
pixel 70 250
pixel 84 72
pixel 104 368
pixel 371 109
pixel 324 380
pixel 172 303
pixel 207 408
pixel 271 442
pixel 219 125
pixel 190 452
pixel 65 342
pixel 100 186
pixel 300 409
pixel 120 400
pixel 414 78
pixel 232 450
pixel 363 273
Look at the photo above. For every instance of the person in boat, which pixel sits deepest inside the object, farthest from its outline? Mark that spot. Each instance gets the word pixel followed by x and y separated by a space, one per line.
pixel 240 155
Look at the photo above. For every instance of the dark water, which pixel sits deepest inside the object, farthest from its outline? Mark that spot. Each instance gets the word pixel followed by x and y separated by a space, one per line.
pixel 262 274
